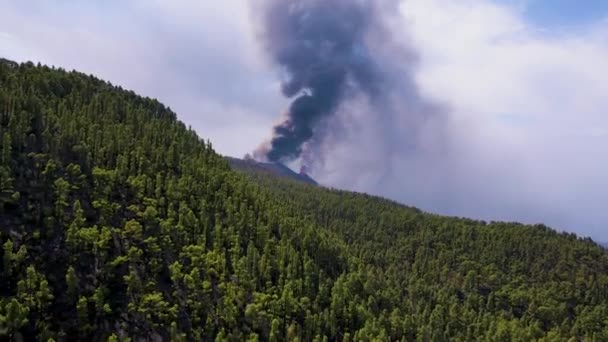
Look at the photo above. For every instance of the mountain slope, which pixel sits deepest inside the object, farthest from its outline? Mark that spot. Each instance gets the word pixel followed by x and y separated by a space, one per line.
pixel 273 169
pixel 117 221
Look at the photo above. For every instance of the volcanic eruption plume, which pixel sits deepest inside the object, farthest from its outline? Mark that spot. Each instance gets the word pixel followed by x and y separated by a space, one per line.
pixel 332 54
pixel 321 47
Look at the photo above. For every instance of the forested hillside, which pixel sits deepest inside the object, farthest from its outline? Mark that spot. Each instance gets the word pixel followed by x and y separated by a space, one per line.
pixel 118 222
pixel 274 170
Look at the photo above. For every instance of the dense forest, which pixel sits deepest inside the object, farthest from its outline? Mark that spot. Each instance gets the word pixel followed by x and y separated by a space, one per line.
pixel 118 223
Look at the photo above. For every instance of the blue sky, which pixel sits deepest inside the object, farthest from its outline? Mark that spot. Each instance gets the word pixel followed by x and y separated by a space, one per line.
pixel 564 13
pixel 524 132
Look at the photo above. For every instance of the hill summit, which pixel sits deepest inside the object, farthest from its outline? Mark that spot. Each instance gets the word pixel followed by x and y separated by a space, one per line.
pixel 276 169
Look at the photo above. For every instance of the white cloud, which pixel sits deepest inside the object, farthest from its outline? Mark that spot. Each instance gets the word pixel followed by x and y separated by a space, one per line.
pixel 198 57
pixel 528 110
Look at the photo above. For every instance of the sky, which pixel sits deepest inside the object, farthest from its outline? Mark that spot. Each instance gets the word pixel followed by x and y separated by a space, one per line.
pixel 524 130
pixel 560 13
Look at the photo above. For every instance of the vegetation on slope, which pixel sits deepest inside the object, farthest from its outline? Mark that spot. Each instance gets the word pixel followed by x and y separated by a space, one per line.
pixel 118 222
pixel 249 165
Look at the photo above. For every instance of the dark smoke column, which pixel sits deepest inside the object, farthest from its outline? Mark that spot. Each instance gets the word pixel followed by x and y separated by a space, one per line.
pixel 320 46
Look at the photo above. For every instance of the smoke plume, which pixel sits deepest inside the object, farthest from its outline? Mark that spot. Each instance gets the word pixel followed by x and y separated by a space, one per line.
pixel 323 49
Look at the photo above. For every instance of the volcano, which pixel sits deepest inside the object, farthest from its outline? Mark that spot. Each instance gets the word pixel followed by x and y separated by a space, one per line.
pixel 276 169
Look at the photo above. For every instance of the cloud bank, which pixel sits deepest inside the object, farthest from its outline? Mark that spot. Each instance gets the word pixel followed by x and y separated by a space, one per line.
pixel 526 133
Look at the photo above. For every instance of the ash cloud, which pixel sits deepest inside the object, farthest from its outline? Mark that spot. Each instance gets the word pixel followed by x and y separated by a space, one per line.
pixel 331 53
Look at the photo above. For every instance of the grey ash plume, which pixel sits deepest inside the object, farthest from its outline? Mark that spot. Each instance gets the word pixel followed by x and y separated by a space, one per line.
pixel 321 47
pixel 351 81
